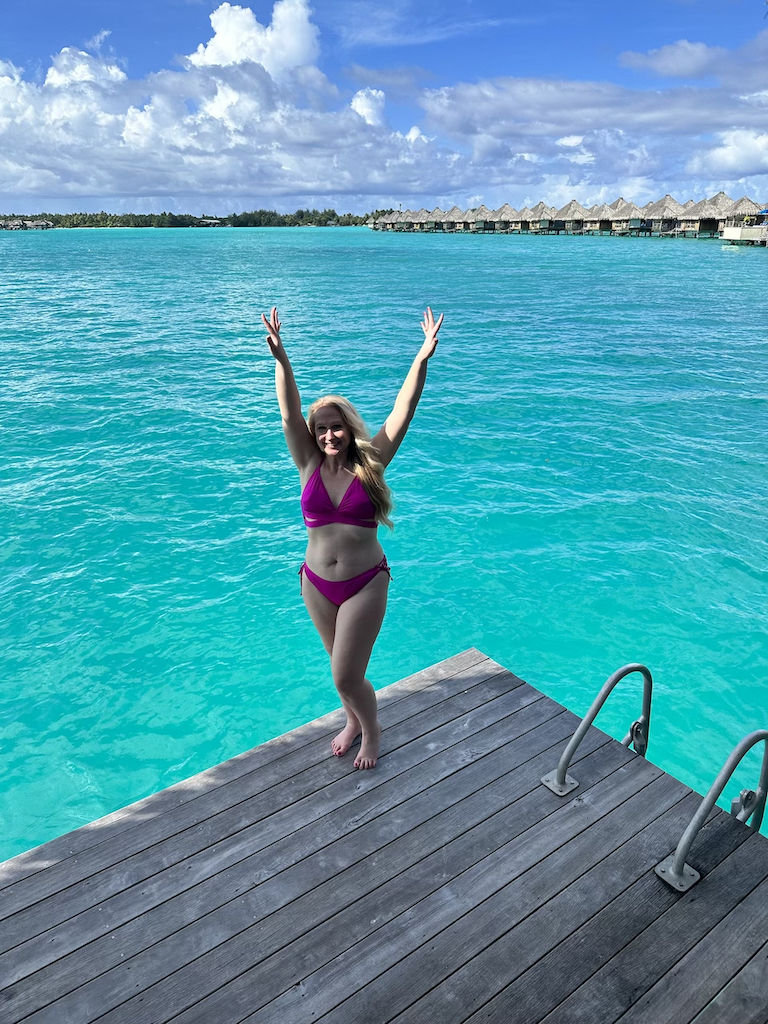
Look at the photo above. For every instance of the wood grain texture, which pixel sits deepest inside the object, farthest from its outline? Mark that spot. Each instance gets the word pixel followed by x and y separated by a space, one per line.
pixel 572 961
pixel 744 1000
pixel 628 975
pixel 700 974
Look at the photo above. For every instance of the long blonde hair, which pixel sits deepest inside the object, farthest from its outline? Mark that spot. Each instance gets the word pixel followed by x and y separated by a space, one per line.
pixel 362 454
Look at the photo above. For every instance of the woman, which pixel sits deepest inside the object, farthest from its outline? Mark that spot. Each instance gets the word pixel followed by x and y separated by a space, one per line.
pixel 345 577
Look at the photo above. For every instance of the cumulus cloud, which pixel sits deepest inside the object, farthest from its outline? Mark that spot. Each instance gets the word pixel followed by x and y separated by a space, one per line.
pixel 741 152
pixel 250 118
pixel 369 104
pixel 290 41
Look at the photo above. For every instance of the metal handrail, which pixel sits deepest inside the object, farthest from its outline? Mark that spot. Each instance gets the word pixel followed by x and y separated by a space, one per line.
pixel 748 804
pixel 559 781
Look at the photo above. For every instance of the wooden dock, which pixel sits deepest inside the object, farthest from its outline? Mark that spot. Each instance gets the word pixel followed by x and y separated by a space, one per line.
pixel 448 885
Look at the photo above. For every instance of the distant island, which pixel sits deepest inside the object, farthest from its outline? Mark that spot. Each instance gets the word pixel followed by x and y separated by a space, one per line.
pixel 252 219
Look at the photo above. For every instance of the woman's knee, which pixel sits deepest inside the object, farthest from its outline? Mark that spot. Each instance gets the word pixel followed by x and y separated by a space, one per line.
pixel 347 683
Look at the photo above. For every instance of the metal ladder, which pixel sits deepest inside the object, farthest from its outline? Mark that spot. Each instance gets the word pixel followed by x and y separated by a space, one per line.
pixel 748 804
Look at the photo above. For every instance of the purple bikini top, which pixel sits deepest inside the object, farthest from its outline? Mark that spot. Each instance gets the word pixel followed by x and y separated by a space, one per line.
pixel 355 508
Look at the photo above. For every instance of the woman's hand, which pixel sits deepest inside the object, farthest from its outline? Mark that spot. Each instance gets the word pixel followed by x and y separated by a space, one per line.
pixel 430 326
pixel 273 336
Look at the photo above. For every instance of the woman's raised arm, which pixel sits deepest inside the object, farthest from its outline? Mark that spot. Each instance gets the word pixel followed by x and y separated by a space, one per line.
pixel 391 435
pixel 300 442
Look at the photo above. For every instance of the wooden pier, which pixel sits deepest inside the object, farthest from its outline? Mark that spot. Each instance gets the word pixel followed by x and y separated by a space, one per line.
pixel 448 885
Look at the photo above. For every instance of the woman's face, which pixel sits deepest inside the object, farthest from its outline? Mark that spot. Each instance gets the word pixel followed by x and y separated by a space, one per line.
pixel 332 434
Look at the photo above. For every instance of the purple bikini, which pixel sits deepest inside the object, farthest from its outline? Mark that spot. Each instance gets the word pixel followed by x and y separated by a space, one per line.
pixel 355 509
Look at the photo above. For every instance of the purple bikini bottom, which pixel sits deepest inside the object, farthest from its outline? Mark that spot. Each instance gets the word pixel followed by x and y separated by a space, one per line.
pixel 339 591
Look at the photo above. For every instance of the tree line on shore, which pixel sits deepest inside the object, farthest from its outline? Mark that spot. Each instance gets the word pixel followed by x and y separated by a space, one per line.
pixel 252 219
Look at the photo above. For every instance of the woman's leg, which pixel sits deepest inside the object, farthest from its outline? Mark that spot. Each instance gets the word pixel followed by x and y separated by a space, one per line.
pixel 323 614
pixel 358 622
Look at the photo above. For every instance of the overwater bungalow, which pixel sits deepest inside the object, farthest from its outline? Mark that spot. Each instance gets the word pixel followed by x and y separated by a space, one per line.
pixel 482 219
pixel 542 221
pixel 570 218
pixel 599 220
pixel 435 220
pixel 452 218
pixel 628 220
pixel 522 221
pixel 700 221
pixel 387 221
pixel 467 221
pixel 503 218
pixel 663 219
pixel 420 220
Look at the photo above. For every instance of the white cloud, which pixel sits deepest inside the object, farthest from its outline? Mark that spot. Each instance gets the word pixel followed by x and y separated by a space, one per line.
pixel 251 119
pixel 95 42
pixel 72 66
pixel 740 153
pixel 745 67
pixel 678 60
pixel 290 41
pixel 369 104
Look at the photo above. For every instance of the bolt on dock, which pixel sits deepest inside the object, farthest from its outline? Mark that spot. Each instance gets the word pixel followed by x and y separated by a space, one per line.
pixel 449 884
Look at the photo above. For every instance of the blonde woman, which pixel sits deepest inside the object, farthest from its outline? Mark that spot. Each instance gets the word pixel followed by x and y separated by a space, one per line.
pixel 345 576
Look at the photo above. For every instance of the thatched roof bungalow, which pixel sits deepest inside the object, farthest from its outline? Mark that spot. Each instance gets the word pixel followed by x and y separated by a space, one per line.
pixel 599 220
pixel 628 219
pixel 504 217
pixel 420 220
pixel 664 217
pixel 467 221
pixel 744 210
pixel 522 221
pixel 571 218
pixel 435 220
pixel 452 218
pixel 701 220
pixel 543 217
pixel 483 219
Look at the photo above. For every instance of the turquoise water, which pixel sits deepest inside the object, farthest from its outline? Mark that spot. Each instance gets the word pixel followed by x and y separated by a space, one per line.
pixel 584 485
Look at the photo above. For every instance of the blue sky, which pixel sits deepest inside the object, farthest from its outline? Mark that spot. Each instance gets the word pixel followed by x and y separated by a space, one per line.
pixel 193 105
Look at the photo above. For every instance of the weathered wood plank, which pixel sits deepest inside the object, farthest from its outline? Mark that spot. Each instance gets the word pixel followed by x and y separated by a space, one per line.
pixel 237 822
pixel 369 892
pixel 333 811
pixel 324 990
pixel 551 979
pixel 744 1000
pixel 628 975
pixel 700 974
pixel 158 804
pixel 531 937
pixel 415 974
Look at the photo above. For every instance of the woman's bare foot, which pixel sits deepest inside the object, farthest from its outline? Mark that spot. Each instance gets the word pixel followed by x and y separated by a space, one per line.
pixel 340 744
pixel 369 750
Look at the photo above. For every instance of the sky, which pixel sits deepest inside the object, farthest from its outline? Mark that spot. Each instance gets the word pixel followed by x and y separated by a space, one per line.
pixel 213 108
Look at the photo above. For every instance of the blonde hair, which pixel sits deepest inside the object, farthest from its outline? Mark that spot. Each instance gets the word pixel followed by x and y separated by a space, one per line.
pixel 362 454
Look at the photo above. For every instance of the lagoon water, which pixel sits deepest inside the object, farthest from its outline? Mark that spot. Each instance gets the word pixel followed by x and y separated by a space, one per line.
pixel 585 484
